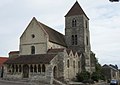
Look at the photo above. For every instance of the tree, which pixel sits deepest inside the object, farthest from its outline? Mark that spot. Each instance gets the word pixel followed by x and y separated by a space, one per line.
pixel 84 75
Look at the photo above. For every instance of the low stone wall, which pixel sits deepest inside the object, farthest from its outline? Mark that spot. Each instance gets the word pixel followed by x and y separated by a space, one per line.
pixel 13 76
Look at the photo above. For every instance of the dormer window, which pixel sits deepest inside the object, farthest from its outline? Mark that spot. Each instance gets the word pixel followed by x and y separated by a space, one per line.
pixel 74 23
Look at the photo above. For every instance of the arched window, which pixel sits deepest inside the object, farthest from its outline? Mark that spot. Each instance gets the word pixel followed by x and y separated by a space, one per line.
pixel 35 68
pixel 78 64
pixel 74 23
pixel 68 63
pixel 73 64
pixel 39 68
pixel 87 40
pixel 31 68
pixel 20 68
pixel 16 66
pixel 75 39
pixel 32 49
pixel 13 68
pixel 72 39
pixel 43 68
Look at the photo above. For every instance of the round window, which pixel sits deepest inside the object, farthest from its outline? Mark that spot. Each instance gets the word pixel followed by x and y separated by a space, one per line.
pixel 33 36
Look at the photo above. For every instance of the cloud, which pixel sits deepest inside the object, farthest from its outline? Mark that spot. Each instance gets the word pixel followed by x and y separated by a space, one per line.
pixel 104 23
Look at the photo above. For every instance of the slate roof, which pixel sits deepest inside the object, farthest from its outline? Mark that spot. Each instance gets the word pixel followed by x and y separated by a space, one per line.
pixel 55 51
pixel 54 36
pixel 31 59
pixel 75 10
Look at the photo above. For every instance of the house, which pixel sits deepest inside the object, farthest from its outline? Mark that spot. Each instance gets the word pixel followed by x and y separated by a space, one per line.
pixel 110 72
pixel 2 60
pixel 46 55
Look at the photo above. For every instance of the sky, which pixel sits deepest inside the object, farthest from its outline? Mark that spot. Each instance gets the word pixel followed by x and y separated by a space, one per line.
pixel 104 23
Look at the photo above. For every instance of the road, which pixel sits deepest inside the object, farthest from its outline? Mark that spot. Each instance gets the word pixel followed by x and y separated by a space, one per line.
pixel 6 82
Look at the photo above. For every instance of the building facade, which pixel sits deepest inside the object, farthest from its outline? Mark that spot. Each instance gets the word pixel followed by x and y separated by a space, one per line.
pixel 110 72
pixel 46 55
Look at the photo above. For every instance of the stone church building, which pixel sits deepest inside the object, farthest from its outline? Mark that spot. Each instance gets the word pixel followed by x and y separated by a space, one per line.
pixel 47 55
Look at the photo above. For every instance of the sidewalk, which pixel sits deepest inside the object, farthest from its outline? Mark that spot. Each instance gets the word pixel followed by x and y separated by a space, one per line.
pixel 22 82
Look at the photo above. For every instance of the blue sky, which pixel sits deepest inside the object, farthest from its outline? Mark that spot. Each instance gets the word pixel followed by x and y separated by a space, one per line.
pixel 104 25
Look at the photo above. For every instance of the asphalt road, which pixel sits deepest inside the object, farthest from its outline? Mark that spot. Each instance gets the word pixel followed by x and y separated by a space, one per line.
pixel 5 82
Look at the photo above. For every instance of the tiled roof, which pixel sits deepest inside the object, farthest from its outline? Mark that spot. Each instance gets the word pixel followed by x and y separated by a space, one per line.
pixel 11 52
pixel 75 10
pixel 2 60
pixel 55 50
pixel 54 36
pixel 31 59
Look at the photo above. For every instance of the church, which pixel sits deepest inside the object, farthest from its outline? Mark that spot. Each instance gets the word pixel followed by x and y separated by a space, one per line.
pixel 46 55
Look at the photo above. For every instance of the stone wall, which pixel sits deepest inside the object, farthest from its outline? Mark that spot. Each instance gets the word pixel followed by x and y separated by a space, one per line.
pixel 33 36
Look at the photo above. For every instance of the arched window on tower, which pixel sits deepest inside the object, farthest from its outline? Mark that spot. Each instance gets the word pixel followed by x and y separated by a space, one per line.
pixel 74 23
pixel 72 39
pixel 87 41
pixel 32 49
pixel 76 40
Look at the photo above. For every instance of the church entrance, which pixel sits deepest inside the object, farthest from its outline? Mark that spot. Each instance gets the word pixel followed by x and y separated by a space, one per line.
pixel 25 71
pixel 55 72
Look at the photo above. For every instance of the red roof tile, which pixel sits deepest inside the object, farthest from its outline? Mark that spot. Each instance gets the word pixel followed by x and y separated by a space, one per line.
pixel 11 52
pixel 2 60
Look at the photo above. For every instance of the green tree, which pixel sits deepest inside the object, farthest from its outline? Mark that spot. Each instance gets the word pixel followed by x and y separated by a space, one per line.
pixel 84 75
pixel 97 75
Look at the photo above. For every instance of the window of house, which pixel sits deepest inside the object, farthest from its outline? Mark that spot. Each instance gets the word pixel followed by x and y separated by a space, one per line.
pixel 31 68
pixel 68 63
pixel 39 68
pixel 75 39
pixel 43 68
pixel 74 23
pixel 35 68
pixel 32 49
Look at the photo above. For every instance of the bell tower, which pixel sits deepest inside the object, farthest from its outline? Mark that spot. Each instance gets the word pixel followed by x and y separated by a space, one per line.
pixel 77 32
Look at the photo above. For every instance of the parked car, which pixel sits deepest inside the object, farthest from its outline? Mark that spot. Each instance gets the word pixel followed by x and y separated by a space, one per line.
pixel 114 82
